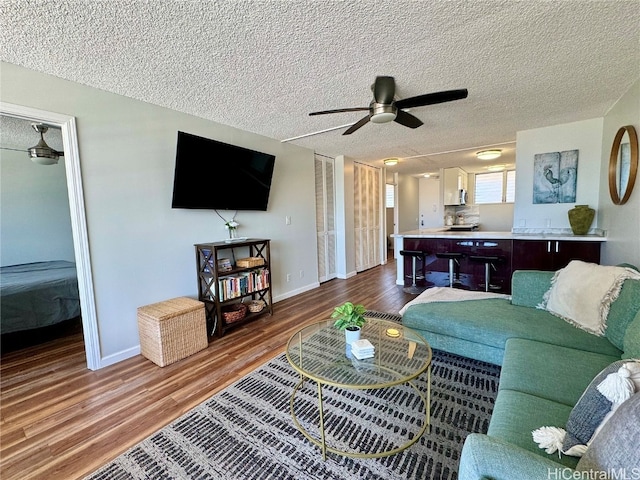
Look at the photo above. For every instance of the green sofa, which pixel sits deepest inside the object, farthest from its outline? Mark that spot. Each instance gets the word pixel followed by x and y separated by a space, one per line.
pixel 546 366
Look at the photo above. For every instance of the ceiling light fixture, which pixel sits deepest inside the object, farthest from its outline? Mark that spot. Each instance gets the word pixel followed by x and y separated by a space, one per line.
pixel 488 154
pixel 496 168
pixel 389 162
pixel 42 153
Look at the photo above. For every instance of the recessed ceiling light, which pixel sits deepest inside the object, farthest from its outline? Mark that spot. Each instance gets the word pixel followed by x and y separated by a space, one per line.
pixel 488 154
pixel 390 161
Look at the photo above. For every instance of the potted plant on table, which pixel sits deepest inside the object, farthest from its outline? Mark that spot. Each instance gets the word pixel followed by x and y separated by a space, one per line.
pixel 350 318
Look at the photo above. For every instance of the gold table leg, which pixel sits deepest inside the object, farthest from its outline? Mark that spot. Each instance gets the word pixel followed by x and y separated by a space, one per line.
pixel 321 412
pixel 322 441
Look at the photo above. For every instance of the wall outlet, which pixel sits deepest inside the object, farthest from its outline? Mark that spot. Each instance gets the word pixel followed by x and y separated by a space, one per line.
pixel 287 220
pixel 301 273
pixel 288 277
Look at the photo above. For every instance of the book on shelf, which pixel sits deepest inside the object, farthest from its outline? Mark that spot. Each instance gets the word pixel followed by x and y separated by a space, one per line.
pixel 238 285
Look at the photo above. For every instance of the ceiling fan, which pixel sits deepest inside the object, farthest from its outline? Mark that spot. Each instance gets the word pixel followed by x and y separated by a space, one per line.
pixel 41 153
pixel 383 108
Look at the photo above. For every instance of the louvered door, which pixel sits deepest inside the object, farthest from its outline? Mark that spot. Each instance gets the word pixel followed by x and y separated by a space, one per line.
pixel 367 215
pixel 325 217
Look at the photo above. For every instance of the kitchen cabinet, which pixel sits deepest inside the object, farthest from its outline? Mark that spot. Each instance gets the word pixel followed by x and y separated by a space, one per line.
pixel 453 180
pixel 552 254
pixel 471 273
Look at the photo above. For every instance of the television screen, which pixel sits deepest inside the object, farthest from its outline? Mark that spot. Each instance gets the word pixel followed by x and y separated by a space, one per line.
pixel 214 175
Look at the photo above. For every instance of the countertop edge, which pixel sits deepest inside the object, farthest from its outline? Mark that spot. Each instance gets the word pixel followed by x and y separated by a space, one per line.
pixel 496 235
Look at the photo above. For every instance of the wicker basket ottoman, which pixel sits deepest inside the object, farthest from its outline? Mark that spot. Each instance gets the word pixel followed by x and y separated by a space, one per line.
pixel 172 330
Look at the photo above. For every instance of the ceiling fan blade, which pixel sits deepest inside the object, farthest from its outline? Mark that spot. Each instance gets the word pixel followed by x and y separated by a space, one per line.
pixel 340 110
pixel 14 149
pixel 432 98
pixel 356 125
pixel 408 120
pixel 384 90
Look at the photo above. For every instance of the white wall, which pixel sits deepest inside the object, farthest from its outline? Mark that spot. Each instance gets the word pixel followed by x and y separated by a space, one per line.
pixel 141 249
pixel 34 210
pixel 622 222
pixel 345 225
pixel 496 217
pixel 585 136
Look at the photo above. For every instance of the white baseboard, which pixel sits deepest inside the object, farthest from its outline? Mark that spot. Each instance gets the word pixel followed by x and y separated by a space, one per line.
pixel 119 356
pixel 297 291
pixel 348 275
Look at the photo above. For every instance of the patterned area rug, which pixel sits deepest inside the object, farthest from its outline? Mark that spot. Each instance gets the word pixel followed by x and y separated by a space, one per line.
pixel 246 431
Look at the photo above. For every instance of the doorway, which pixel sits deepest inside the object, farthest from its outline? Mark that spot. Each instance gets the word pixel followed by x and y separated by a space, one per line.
pixel 67 125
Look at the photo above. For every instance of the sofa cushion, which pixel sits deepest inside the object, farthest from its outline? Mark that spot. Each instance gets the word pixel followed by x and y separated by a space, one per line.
pixel 631 341
pixel 516 415
pixel 529 286
pixel 622 312
pixel 493 321
pixel 549 371
pixel 616 448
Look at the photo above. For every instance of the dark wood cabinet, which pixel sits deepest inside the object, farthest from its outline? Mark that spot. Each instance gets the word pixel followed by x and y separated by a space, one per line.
pixel 470 273
pixel 552 254
pixel 511 255
pixel 231 273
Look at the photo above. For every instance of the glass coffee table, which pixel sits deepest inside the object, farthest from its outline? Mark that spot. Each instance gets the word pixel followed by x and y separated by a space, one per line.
pixel 319 353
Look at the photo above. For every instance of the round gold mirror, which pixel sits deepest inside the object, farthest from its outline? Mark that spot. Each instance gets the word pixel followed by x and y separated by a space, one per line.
pixel 623 164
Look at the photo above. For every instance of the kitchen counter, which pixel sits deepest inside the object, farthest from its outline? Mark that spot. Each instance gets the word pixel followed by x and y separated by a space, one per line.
pixel 521 249
pixel 444 232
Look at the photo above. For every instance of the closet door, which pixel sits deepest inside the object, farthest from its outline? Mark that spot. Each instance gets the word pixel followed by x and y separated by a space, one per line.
pixel 325 217
pixel 367 215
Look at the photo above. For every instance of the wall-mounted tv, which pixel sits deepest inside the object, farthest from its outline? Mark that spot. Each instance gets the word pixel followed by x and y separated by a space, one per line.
pixel 214 175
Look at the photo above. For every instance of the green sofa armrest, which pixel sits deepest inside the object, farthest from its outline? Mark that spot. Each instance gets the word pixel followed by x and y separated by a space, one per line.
pixel 529 286
pixel 485 457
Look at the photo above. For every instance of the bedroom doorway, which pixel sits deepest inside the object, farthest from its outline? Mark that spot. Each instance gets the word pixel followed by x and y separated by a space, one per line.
pixel 75 192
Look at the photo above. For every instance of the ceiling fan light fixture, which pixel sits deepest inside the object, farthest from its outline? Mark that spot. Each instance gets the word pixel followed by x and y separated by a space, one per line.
pixel 41 153
pixel 382 113
pixel 389 162
pixel 488 154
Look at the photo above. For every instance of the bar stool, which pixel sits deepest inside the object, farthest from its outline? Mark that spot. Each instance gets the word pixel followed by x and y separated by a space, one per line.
pixel 489 263
pixel 454 266
pixel 414 289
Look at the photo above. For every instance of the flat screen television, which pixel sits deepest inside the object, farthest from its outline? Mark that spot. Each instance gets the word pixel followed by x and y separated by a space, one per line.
pixel 214 175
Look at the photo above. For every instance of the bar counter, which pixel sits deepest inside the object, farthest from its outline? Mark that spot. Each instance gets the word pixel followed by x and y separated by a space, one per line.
pixel 520 249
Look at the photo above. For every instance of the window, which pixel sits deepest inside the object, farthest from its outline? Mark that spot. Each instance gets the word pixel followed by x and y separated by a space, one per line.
pixel 495 187
pixel 390 202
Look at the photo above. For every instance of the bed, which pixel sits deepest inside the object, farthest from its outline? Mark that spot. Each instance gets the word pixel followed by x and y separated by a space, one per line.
pixel 34 295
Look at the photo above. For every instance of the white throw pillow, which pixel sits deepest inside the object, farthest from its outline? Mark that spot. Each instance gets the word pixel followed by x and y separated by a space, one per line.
pixel 581 293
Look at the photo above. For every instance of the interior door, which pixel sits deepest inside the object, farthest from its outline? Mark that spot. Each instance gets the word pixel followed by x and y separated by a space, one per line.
pixel 325 217
pixel 367 216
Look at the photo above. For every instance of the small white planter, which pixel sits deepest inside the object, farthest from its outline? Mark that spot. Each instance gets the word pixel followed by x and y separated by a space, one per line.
pixel 351 335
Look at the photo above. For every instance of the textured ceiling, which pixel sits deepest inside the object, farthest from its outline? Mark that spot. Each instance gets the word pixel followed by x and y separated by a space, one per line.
pixel 262 66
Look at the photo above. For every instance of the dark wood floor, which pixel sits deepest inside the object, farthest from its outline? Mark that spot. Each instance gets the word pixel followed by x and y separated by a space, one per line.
pixel 59 420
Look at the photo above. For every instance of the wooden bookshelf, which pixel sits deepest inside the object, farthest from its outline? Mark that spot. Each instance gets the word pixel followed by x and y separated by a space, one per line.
pixel 222 282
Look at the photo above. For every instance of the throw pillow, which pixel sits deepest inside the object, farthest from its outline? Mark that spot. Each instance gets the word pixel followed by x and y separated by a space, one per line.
pixel 616 448
pixel 581 293
pixel 610 388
